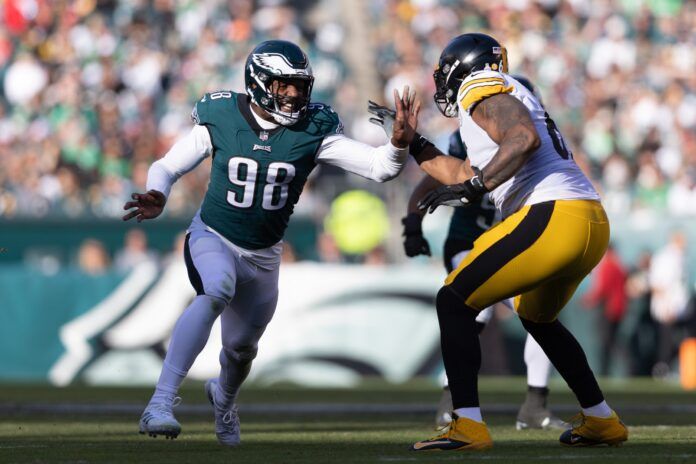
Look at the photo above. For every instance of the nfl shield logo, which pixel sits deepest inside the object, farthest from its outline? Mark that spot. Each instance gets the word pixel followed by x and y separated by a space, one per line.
pixel 263 136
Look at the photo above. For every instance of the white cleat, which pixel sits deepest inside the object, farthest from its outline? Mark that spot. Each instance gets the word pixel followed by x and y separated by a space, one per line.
pixel 226 420
pixel 158 419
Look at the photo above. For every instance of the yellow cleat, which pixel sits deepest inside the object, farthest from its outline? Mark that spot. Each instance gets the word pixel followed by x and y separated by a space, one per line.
pixel 592 431
pixel 462 435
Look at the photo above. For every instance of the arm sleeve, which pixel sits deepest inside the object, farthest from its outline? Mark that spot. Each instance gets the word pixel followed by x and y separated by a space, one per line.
pixel 381 163
pixel 184 155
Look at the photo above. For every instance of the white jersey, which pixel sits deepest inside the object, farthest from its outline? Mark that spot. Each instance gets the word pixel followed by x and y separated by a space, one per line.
pixel 549 174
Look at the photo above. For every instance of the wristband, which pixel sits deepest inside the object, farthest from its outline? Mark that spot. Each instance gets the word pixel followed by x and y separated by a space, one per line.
pixel 418 144
pixel 477 181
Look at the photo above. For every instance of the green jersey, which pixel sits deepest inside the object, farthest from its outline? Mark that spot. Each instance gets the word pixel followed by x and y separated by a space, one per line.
pixel 257 175
pixel 469 222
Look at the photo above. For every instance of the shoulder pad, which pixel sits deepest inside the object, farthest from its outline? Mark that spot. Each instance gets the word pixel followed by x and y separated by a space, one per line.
pixel 324 119
pixel 480 85
pixel 201 112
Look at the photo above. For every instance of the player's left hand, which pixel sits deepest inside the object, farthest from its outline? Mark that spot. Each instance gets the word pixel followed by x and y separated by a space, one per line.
pixel 406 118
pixel 469 191
pixel 383 117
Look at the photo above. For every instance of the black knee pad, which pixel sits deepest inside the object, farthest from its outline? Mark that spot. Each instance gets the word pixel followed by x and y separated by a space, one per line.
pixel 539 327
pixel 448 301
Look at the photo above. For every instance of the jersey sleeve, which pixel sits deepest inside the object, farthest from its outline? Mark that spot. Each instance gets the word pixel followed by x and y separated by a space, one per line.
pixel 479 86
pixel 456 146
pixel 380 164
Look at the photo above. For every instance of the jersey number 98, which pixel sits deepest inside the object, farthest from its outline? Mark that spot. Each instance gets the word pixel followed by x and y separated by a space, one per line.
pixel 243 172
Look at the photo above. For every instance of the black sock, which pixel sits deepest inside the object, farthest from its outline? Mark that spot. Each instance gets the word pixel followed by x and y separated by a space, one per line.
pixel 569 359
pixel 461 351
pixel 536 396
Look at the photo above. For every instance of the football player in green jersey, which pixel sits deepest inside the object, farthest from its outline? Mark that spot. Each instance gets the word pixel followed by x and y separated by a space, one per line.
pixel 466 225
pixel 264 144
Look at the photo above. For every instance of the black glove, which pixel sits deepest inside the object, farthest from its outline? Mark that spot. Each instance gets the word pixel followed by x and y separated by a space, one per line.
pixel 383 117
pixel 462 194
pixel 414 243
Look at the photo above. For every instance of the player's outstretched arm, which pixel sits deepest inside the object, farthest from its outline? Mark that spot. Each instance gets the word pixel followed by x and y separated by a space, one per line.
pixel 147 205
pixel 445 169
pixel 508 123
pixel 381 163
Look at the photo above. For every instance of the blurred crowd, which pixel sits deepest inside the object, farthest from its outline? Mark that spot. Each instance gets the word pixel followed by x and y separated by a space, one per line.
pixel 647 309
pixel 92 92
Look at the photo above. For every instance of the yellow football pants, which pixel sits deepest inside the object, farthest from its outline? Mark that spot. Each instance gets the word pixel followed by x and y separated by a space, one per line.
pixel 539 255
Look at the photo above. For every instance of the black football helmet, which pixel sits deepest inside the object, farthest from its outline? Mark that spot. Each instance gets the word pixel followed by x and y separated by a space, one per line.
pixel 283 61
pixel 464 54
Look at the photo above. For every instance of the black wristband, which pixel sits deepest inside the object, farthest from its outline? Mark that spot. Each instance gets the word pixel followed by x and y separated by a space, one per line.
pixel 477 181
pixel 418 144
pixel 412 224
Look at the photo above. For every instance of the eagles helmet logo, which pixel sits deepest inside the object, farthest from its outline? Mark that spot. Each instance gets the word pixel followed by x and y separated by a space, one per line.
pixel 278 64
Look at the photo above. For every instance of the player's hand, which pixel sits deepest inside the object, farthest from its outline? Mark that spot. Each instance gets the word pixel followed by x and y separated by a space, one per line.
pixel 449 195
pixel 147 205
pixel 469 191
pixel 405 119
pixel 414 242
pixel 383 117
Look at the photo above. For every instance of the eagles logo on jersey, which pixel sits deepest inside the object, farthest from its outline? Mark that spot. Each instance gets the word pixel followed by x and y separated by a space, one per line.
pixel 273 62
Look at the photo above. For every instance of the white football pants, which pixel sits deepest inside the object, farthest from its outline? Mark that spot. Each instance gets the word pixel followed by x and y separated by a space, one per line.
pixel 226 284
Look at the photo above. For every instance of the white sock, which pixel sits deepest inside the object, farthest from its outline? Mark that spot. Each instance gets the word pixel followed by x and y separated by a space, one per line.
pixel 469 413
pixel 598 410
pixel 189 337
pixel 538 364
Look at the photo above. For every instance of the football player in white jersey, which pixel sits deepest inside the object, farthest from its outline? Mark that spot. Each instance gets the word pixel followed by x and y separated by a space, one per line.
pixel 554 231
pixel 466 226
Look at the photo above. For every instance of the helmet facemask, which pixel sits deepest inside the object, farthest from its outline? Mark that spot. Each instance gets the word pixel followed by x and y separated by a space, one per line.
pixel 446 87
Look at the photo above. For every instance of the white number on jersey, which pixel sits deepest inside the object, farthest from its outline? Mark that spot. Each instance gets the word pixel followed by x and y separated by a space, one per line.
pixel 275 192
pixel 244 178
pixel 287 171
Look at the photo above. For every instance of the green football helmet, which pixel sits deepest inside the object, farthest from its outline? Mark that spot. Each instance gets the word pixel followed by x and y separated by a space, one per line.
pixel 271 64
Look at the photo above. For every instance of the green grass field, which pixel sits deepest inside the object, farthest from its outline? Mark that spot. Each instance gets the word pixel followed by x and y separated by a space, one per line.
pixel 33 427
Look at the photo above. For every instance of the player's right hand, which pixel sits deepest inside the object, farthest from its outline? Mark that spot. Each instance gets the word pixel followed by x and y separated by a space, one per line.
pixel 147 205
pixel 414 242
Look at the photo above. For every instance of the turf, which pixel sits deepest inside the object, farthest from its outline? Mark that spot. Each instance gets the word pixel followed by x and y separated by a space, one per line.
pixel 656 436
